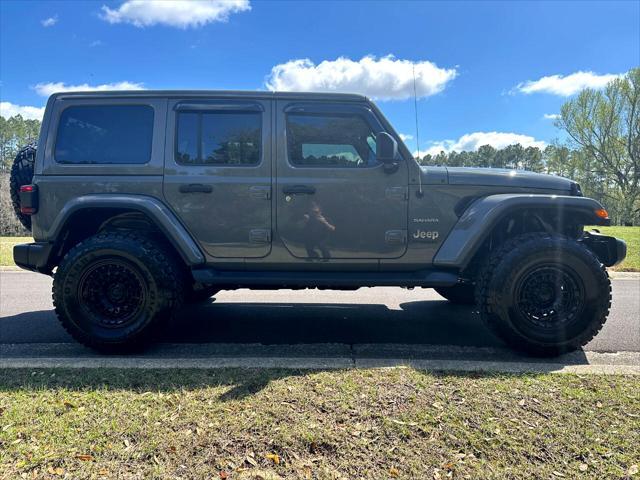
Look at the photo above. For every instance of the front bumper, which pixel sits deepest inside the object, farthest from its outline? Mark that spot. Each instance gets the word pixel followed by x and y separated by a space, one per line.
pixel 609 250
pixel 33 256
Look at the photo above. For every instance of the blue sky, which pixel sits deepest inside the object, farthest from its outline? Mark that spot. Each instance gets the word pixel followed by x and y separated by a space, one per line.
pixel 488 72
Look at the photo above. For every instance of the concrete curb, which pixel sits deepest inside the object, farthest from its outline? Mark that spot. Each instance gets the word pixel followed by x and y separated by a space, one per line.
pixel 500 367
pixel 623 275
pixel 165 363
pixel 622 363
pixel 11 268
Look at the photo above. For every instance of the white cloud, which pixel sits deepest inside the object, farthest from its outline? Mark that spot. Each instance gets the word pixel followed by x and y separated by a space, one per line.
pixel 566 85
pixel 386 78
pixel 473 141
pixel 405 137
pixel 174 13
pixel 46 89
pixel 96 43
pixel 551 116
pixel 49 22
pixel 8 109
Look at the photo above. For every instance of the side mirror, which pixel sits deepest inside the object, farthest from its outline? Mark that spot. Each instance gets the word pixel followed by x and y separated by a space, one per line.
pixel 387 152
pixel 386 148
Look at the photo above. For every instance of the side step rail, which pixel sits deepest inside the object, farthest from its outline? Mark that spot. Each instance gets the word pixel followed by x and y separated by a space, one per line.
pixel 424 278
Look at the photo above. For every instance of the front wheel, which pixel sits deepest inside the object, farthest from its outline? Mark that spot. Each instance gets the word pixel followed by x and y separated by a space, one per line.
pixel 544 294
pixel 113 289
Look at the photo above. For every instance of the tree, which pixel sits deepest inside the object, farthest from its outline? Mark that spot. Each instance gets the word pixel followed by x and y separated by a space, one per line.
pixel 606 126
pixel 531 160
pixel 486 156
pixel 15 132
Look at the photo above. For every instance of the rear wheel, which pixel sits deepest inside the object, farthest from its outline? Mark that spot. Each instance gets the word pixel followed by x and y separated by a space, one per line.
pixel 463 294
pixel 112 290
pixel 544 294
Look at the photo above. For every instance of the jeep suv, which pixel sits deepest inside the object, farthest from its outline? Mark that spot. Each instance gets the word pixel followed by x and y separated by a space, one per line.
pixel 139 201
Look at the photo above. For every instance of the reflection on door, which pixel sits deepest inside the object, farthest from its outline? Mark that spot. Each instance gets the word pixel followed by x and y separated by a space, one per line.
pixel 333 198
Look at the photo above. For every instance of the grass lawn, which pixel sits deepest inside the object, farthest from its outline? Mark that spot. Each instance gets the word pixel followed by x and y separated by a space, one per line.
pixel 631 235
pixel 272 424
pixel 6 249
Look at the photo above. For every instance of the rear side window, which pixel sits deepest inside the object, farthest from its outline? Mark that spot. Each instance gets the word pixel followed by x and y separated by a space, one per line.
pixel 330 141
pixel 219 138
pixel 105 134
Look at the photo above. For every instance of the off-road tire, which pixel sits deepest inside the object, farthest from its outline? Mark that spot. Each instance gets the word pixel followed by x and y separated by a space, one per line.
pixel 507 294
pixel 109 276
pixel 200 294
pixel 22 174
pixel 463 294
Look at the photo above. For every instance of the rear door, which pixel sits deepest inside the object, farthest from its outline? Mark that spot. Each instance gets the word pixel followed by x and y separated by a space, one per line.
pixel 218 174
pixel 334 200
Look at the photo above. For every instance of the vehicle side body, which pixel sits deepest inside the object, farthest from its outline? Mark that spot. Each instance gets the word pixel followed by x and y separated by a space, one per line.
pixel 425 220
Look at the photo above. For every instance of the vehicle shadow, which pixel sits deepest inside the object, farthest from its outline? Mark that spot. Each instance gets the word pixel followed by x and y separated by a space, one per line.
pixel 421 322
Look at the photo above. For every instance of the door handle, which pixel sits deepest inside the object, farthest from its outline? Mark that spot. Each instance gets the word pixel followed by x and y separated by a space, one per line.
pixel 298 190
pixel 195 188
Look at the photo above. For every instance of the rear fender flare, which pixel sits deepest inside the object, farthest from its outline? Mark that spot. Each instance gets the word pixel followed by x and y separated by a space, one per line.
pixel 163 218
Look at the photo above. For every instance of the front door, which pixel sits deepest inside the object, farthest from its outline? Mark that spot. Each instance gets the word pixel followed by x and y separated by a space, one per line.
pixel 218 174
pixel 334 200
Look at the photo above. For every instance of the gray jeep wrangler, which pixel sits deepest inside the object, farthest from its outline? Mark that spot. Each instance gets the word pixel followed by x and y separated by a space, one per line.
pixel 139 201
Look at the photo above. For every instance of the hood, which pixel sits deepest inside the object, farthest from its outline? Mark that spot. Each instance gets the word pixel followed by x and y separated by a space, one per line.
pixel 507 178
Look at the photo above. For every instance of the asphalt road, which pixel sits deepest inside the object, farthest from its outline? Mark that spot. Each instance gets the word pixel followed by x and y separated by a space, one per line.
pixel 316 320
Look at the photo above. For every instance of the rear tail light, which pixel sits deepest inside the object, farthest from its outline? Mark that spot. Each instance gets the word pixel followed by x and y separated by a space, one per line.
pixel 28 199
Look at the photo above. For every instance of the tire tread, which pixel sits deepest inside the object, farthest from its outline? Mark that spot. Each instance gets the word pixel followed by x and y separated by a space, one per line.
pixel 485 299
pixel 158 259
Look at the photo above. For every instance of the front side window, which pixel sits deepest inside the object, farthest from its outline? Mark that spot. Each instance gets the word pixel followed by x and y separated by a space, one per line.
pixel 105 134
pixel 218 138
pixel 330 141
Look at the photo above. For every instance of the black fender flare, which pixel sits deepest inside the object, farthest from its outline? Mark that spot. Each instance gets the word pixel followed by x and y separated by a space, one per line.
pixel 478 220
pixel 163 218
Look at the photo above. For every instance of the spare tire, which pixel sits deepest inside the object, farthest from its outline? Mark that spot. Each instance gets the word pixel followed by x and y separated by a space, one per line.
pixel 22 174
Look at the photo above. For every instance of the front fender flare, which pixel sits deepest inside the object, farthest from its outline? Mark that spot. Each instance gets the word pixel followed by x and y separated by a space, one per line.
pixel 161 216
pixel 477 221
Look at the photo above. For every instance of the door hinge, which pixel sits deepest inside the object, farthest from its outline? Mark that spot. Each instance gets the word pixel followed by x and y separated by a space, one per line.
pixel 260 235
pixel 260 192
pixel 397 193
pixel 395 237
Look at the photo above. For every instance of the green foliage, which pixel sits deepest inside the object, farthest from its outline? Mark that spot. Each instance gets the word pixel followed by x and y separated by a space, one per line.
pixel 9 224
pixel 15 133
pixel 512 156
pixel 605 127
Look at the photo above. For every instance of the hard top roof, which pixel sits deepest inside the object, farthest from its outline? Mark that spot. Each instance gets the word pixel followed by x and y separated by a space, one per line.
pixel 214 93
